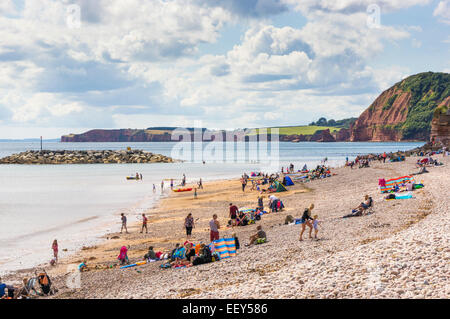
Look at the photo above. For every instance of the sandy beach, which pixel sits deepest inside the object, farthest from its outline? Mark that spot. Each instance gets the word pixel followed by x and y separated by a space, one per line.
pixel 400 251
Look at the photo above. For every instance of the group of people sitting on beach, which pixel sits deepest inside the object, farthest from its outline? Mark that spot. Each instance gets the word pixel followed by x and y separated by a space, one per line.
pixel 363 161
pixel 40 285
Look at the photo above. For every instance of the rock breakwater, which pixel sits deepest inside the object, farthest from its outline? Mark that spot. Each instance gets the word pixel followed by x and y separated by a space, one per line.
pixel 85 157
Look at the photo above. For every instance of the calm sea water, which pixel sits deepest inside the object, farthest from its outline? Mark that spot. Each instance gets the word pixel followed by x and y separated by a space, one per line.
pixel 78 203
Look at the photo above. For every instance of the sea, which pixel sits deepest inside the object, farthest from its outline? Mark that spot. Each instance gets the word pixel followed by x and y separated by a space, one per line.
pixel 78 204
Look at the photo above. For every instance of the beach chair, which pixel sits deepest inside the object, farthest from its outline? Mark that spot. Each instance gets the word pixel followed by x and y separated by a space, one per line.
pixel 370 209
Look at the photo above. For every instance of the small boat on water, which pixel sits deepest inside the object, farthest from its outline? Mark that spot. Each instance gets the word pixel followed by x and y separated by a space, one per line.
pixel 178 190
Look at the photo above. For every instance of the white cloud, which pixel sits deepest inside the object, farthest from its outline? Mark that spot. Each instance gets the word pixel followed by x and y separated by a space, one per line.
pixel 139 63
pixel 351 6
pixel 8 7
pixel 442 11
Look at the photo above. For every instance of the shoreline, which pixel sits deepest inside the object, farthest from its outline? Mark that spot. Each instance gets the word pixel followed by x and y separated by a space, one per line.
pixel 99 238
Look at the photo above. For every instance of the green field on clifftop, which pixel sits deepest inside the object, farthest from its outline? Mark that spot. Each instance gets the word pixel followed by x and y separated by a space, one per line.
pixel 298 130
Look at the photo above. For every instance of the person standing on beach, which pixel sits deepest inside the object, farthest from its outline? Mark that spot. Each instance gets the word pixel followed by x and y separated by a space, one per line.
pixel 244 183
pixel 260 203
pixel 154 188
pixel 162 186
pixel 124 223
pixel 55 249
pixel 140 175
pixel 233 214
pixel 214 228
pixel 195 192
pixel 144 224
pixel 307 221
pixel 189 225
pixel 384 157
pixel 200 184
pixel 171 183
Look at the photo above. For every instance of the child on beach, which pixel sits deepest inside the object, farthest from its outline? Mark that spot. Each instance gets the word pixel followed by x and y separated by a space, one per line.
pixel 144 224
pixel 55 250
pixel 189 224
pixel 124 223
pixel 316 223
pixel 123 257
pixel 236 241
pixel 151 255
pixel 83 266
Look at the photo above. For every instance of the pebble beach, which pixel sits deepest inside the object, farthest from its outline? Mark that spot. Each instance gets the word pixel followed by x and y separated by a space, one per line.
pixel 400 251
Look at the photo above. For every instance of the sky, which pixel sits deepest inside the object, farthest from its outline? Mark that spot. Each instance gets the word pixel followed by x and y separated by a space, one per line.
pixel 68 66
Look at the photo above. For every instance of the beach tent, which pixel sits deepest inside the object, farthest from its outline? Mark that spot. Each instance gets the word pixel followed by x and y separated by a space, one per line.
pixel 288 181
pixel 279 187
pixel 225 247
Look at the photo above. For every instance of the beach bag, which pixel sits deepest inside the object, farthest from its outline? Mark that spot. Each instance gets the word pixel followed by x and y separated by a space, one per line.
pixel 198 261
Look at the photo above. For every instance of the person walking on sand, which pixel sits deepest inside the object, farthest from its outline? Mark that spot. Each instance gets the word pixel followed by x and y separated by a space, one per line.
pixel 200 184
pixel 195 193
pixel 189 225
pixel 244 183
pixel 124 223
pixel 144 224
pixel 307 221
pixel 315 223
pixel 214 228
pixel 140 176
pixel 55 249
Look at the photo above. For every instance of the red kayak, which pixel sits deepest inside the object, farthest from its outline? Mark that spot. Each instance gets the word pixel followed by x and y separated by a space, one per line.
pixel 178 190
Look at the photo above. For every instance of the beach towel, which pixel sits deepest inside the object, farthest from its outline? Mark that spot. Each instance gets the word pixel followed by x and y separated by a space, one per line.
pixel 179 253
pixel 403 196
pixel 225 247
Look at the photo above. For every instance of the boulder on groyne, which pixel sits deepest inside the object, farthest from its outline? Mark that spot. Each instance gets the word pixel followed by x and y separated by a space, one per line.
pixel 85 157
